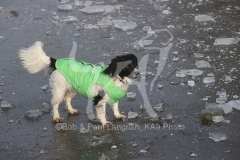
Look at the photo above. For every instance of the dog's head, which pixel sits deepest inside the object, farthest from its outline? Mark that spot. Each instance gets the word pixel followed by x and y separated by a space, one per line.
pixel 124 67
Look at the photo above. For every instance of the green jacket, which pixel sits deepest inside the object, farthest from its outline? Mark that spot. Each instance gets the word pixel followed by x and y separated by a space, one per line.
pixel 82 76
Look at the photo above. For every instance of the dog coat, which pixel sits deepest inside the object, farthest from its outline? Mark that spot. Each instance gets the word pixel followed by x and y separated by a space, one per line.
pixel 82 76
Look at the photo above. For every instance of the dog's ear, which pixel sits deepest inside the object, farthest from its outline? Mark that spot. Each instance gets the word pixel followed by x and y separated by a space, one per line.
pixel 110 70
pixel 116 67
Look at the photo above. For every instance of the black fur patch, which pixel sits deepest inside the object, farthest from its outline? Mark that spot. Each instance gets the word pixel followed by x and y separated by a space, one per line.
pixel 52 64
pixel 122 66
pixel 97 98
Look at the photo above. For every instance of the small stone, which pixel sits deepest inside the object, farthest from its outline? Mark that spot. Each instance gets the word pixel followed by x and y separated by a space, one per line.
pixel 65 7
pixel 93 9
pixel 144 43
pixel 5 105
pixel 143 151
pixel 149 74
pixel 46 107
pixel 10 121
pixel 165 12
pixel 14 13
pixel 208 80
pixel 104 23
pixel 217 136
pixel 132 115
pixel 124 25
pixel 45 88
pixel 191 83
pixel 131 96
pixel 0 98
pixel 221 100
pixel 202 18
pixel 69 19
pixel 159 86
pixel 96 141
pixel 84 130
pixel 33 114
pixel 202 64
pixel 226 41
pixel 45 128
pixel 235 96
pixel 76 35
pixel 189 72
pixel 142 107
pixel 193 155
pixel 159 107
pixel 175 52
pixel 78 3
pixel 169 116
pixel 42 151
pixel 198 55
pixel 175 59
pixel 64 1
pixel 113 147
pixel 212 111
pixel 156 62
pixel 88 3
pixel 217 119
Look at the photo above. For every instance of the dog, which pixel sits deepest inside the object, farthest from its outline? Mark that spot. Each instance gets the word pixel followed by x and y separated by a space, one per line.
pixel 103 84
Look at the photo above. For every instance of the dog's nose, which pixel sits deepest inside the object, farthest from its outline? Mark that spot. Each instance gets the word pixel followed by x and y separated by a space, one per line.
pixel 136 74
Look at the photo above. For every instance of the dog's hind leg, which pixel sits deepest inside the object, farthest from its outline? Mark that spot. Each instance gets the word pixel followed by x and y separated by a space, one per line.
pixel 56 100
pixel 59 89
pixel 68 97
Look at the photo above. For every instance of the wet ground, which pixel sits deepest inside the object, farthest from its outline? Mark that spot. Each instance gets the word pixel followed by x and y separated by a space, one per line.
pixel 182 136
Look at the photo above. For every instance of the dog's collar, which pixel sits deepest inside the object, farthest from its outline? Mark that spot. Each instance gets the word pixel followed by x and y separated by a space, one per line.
pixel 120 79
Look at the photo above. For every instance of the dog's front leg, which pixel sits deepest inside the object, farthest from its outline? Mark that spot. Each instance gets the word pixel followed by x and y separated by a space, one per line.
pixel 116 113
pixel 101 110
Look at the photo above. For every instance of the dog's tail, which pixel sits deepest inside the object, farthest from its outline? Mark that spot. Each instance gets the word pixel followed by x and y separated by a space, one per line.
pixel 34 59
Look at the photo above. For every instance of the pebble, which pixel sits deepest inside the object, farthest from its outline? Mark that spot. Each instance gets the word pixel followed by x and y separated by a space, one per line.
pixel 124 25
pixel 69 19
pixel 46 107
pixel 159 86
pixel 78 3
pixel 217 136
pixel 33 114
pixel 132 115
pixel 143 151
pixel 84 130
pixel 65 7
pixel 191 83
pixel 131 96
pixel 5 105
pixel 159 107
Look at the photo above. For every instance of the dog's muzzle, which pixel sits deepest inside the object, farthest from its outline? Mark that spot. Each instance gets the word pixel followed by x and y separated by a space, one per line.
pixel 135 74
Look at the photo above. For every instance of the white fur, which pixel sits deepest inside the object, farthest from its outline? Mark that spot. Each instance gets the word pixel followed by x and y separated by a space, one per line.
pixel 34 59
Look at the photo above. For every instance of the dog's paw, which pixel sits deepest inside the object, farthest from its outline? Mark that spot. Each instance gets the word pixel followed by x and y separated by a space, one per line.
pixel 120 116
pixel 74 112
pixel 58 120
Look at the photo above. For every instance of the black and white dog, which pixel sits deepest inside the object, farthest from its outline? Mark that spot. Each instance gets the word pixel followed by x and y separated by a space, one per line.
pixel 121 71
